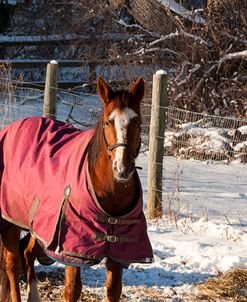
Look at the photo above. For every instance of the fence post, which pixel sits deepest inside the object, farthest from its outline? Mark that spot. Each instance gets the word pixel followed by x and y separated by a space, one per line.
pixel 51 83
pixel 156 144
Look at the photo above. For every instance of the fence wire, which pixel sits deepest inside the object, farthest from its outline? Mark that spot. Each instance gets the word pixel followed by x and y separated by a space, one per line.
pixel 80 110
pixel 205 167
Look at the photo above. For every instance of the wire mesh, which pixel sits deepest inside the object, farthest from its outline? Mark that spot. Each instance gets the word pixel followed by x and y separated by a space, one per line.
pixel 204 167
pixel 81 110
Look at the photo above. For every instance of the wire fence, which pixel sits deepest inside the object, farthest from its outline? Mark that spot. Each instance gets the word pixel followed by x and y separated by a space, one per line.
pixel 204 168
pixel 81 110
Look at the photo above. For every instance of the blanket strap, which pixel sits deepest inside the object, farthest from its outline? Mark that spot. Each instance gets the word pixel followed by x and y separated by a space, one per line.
pixel 112 220
pixel 32 212
pixel 61 217
pixel 112 238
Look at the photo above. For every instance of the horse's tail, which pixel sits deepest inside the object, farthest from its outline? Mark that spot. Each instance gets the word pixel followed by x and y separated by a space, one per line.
pixel 4 281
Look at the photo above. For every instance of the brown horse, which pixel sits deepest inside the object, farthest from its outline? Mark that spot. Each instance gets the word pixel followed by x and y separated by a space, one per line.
pixel 117 229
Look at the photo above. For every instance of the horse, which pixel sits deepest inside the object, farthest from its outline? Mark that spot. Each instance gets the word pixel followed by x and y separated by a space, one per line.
pixel 77 193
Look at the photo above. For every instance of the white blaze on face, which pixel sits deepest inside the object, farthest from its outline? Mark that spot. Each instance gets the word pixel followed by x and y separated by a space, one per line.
pixel 121 121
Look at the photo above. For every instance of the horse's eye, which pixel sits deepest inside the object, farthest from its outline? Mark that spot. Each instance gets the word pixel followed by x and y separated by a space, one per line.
pixel 108 123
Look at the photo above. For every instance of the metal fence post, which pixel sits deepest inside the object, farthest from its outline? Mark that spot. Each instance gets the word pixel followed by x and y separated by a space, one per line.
pixel 51 84
pixel 156 144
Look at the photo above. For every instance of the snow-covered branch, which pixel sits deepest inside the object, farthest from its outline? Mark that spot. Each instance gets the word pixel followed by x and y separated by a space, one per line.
pixel 155 49
pixel 179 33
pixel 164 38
pixel 234 55
pixel 137 26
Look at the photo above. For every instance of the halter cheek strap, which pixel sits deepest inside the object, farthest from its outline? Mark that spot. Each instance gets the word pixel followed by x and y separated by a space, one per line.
pixel 138 148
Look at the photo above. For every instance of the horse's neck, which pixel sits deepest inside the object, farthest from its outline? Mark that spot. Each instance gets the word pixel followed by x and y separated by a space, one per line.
pixel 115 198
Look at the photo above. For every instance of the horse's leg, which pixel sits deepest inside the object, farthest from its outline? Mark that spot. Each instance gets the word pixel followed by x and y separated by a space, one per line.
pixel 29 249
pixel 10 239
pixel 72 284
pixel 4 280
pixel 113 281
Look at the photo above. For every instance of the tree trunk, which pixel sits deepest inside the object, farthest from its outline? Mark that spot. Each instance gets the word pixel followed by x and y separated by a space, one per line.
pixel 150 14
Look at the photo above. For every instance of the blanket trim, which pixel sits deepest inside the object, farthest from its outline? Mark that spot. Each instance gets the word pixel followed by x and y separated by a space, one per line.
pixel 22 226
pixel 84 256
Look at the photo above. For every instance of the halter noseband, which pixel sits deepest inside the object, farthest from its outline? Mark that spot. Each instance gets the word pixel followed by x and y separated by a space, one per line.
pixel 109 148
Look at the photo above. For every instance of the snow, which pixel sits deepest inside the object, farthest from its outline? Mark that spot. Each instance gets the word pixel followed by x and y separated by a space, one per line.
pixel 200 139
pixel 181 10
pixel 243 129
pixel 183 257
pixel 161 72
pixel 54 62
pixel 209 139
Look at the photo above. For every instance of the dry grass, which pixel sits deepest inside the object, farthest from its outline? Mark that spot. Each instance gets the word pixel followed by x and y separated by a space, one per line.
pixel 147 294
pixel 229 287
pixel 51 288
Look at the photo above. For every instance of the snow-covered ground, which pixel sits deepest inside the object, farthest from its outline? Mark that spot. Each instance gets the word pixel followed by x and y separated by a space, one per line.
pixel 213 190
pixel 183 257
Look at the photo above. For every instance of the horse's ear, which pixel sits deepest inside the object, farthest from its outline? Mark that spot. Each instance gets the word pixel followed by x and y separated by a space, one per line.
pixel 104 91
pixel 138 89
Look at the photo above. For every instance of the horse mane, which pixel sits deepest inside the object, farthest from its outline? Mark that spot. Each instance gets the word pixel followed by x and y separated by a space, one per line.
pixel 122 99
pixel 95 144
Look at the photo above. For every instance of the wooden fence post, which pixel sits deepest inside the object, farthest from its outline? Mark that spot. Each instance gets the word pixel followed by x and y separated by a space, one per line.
pixel 156 144
pixel 51 83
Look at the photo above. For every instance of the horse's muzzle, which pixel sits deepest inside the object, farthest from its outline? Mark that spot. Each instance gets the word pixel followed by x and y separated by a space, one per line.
pixel 123 174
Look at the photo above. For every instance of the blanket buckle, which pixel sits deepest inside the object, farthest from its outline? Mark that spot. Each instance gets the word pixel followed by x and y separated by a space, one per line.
pixel 112 220
pixel 111 238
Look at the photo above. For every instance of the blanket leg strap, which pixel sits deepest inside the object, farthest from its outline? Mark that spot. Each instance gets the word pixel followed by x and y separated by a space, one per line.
pixel 113 220
pixel 32 212
pixel 112 238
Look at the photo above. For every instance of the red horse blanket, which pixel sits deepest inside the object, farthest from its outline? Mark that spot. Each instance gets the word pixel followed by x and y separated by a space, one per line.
pixel 46 188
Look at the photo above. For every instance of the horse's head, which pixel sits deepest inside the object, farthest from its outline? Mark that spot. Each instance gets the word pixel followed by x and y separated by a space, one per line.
pixel 121 126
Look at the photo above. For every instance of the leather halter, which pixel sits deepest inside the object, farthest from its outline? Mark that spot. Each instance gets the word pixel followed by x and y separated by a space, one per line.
pixel 110 148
